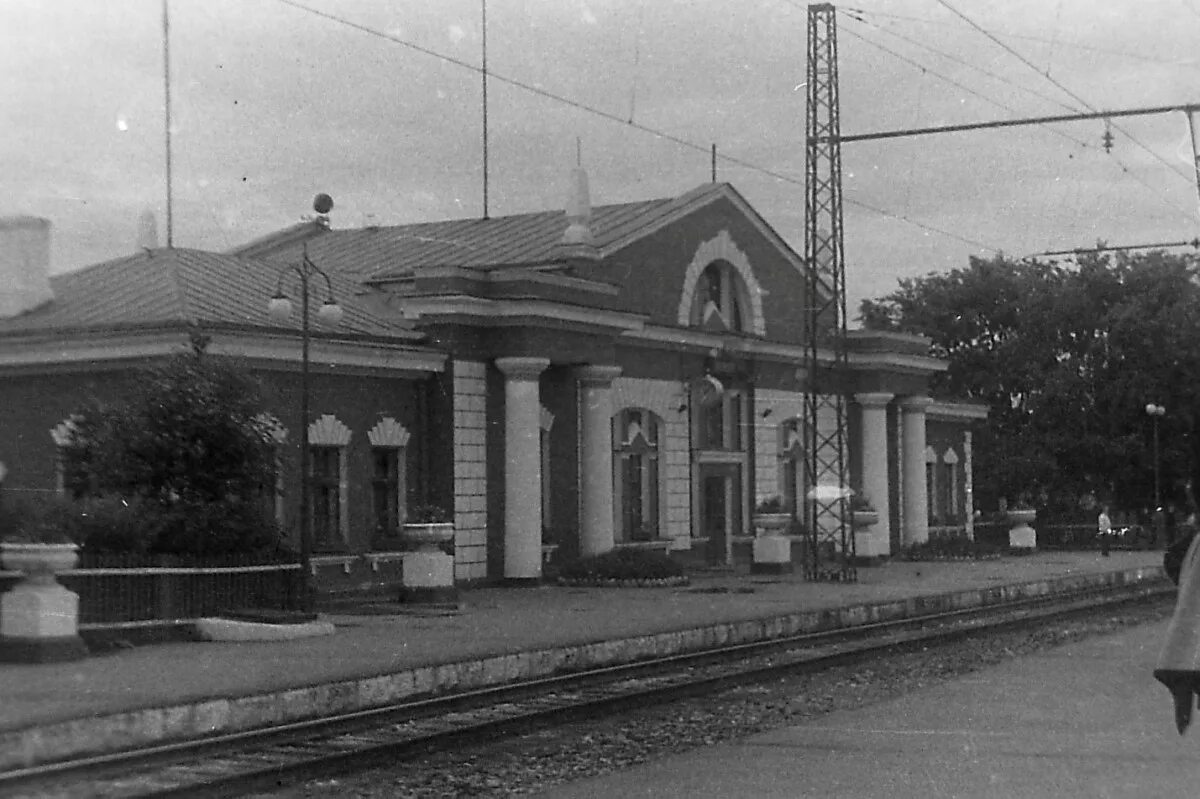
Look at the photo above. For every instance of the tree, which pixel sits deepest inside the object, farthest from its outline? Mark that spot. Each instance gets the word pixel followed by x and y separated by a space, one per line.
pixel 190 448
pixel 1066 358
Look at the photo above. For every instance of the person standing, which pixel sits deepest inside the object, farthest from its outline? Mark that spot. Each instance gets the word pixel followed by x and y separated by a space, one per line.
pixel 1104 530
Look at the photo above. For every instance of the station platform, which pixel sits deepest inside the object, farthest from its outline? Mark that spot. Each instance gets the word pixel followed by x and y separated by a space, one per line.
pixel 387 652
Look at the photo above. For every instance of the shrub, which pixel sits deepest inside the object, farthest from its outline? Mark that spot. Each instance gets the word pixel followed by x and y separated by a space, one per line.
pixel 36 520
pixel 772 504
pixel 177 468
pixel 957 547
pixel 428 513
pixel 622 564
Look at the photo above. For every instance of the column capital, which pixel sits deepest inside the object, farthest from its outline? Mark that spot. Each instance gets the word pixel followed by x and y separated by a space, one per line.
pixel 874 399
pixel 596 375
pixel 522 368
pixel 915 404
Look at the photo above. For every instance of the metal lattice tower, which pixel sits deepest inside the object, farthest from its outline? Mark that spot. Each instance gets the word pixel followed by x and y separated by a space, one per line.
pixel 831 537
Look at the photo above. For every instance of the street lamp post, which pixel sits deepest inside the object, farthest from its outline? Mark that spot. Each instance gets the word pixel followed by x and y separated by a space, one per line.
pixel 330 313
pixel 1156 412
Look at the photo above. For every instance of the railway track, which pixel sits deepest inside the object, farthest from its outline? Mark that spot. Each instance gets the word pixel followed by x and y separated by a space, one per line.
pixel 267 758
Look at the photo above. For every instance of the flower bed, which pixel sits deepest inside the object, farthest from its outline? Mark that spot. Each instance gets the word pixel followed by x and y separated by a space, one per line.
pixel 623 568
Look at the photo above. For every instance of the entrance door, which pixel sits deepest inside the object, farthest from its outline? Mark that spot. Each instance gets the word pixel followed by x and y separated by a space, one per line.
pixel 720 509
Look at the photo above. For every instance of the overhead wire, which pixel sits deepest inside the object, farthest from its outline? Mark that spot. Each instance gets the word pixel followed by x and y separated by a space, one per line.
pixel 959 85
pixel 965 63
pixel 1029 37
pixel 1173 167
pixel 612 117
pixel 1155 192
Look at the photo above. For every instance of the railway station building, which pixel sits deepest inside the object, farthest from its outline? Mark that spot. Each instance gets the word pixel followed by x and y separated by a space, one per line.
pixel 563 383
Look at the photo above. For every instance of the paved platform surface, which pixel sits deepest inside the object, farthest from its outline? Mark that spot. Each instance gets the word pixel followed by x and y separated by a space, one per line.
pixel 169 691
pixel 1083 721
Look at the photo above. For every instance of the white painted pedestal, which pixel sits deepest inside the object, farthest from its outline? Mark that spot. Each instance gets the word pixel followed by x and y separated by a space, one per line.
pixel 39 618
pixel 1022 535
pixel 427 572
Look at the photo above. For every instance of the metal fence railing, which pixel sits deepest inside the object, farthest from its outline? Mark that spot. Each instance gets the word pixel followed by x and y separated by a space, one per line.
pixel 135 591
pixel 1067 536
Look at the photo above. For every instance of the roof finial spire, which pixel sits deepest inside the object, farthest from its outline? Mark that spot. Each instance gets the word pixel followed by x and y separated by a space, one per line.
pixel 577 239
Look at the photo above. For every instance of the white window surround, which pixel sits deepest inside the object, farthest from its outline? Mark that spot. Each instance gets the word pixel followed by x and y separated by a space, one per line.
pixel 723 248
pixel 328 431
pixel 390 434
pixel 387 432
pixel 632 440
pixel 276 435
pixel 62 434
pixel 545 423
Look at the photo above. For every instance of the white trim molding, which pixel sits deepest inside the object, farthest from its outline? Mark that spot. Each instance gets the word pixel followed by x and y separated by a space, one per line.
pixel 722 248
pixel 328 431
pixel 387 432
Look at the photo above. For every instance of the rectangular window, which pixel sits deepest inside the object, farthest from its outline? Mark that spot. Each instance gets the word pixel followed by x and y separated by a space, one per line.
pixel 931 496
pixel 74 481
pixel 949 487
pixel 269 492
pixel 325 490
pixel 385 490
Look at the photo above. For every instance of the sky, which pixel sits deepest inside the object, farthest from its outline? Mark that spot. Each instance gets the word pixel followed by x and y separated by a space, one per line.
pixel 378 103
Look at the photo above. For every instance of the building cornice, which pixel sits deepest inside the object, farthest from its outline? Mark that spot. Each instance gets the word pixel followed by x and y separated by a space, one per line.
pixel 499 312
pixel 781 351
pixel 118 349
pixel 956 411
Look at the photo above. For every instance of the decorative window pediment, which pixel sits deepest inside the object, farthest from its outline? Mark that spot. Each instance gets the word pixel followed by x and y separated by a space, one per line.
pixel 271 428
pixel 720 274
pixel 546 420
pixel 387 432
pixel 64 431
pixel 951 457
pixel 328 431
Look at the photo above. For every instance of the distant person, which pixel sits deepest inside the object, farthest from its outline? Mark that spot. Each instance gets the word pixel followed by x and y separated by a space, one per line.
pixel 1104 530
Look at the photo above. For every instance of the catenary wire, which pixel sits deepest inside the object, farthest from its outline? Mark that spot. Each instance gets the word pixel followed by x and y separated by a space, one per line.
pixel 965 63
pixel 1154 191
pixel 620 120
pixel 1040 39
pixel 1173 167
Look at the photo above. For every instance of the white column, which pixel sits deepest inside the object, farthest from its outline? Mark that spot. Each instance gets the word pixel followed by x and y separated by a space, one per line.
pixel 596 533
pixel 522 467
pixel 874 459
pixel 968 485
pixel 912 481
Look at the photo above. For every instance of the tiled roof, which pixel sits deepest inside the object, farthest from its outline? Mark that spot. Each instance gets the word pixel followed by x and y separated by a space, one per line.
pixel 378 253
pixel 166 286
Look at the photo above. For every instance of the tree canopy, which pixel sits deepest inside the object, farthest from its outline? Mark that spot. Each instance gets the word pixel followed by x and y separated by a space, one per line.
pixel 1066 356
pixel 188 450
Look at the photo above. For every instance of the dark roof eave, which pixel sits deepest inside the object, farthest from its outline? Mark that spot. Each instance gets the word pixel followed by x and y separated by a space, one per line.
pixel 182 326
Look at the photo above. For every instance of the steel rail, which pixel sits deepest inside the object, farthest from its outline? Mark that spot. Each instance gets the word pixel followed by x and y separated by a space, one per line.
pixel 290 751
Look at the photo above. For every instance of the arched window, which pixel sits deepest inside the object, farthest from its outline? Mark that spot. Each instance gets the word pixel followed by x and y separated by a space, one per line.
pixel 637 435
pixel 719 300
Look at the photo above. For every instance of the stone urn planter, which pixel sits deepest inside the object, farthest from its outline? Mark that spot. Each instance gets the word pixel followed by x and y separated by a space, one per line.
pixel 427 571
pixel 39 618
pixel 772 549
pixel 771 523
pixel 862 519
pixel 428 537
pixel 1022 535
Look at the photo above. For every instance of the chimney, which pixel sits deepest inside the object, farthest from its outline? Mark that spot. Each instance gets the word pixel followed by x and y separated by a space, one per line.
pixel 147 238
pixel 577 243
pixel 24 264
